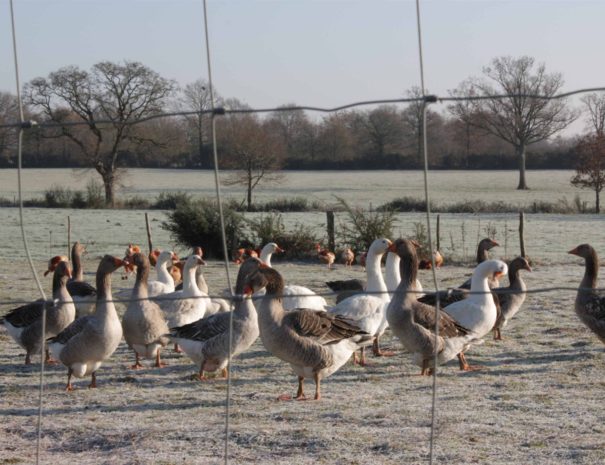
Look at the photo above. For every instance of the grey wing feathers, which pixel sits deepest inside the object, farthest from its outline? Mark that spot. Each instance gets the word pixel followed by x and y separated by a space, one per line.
pixel 424 315
pixel 446 297
pixel 81 289
pixel 26 314
pixel 324 327
pixel 72 330
pixel 203 329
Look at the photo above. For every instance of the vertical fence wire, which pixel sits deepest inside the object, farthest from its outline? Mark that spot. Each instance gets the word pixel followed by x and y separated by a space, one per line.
pixel 428 228
pixel 24 236
pixel 223 233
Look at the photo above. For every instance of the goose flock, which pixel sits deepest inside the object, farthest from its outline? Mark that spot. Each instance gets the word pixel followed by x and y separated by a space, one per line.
pixel 83 329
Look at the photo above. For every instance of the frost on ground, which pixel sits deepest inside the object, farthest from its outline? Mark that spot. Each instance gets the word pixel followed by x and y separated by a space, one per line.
pixel 538 399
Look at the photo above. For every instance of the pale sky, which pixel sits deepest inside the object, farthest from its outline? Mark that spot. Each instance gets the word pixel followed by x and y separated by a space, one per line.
pixel 318 53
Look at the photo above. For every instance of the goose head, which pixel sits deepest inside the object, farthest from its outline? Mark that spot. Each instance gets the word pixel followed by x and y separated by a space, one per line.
pixel 63 272
pixel 268 278
pixel 490 269
pixel 379 246
pixel 583 250
pixel 519 263
pixel 54 262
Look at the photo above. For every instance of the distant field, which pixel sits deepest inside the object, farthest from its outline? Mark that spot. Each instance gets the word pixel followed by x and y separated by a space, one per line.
pixel 363 188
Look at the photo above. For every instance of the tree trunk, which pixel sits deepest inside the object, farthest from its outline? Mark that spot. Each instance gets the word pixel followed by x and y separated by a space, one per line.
pixel 249 196
pixel 108 183
pixel 597 207
pixel 200 141
pixel 520 149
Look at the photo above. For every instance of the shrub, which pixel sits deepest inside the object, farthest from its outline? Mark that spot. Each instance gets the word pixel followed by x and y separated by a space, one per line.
pixel 405 204
pixel 365 226
pixel 78 200
pixel 171 200
pixel 195 223
pixel 296 204
pixel 94 194
pixel 299 244
pixel 58 197
pixel 135 203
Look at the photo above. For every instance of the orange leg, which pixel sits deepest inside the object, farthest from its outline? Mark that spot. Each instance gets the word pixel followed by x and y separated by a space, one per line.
pixel 497 334
pixel 317 386
pixel 69 386
pixel 93 380
pixel 381 353
pixel 464 366
pixel 225 372
pixel 177 349
pixel 300 394
pixel 48 359
pixel 158 362
pixel 137 362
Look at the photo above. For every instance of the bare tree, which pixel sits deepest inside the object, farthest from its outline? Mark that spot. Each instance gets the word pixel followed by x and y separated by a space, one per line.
pixel 334 139
pixel 119 93
pixel 196 97
pixel 295 130
pixel 590 167
pixel 412 118
pixel 519 118
pixel 249 147
pixel 9 113
pixel 382 130
pixel 595 105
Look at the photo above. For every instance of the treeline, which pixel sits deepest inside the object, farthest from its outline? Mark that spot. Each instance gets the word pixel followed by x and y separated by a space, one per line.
pixel 382 137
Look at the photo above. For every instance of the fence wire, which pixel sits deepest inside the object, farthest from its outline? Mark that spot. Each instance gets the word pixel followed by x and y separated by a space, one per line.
pixel 21 125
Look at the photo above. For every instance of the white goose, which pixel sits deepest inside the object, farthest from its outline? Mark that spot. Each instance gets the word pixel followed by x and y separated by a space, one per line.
pixel 368 310
pixel 188 305
pixel 294 296
pixel 165 282
pixel 477 313
pixel 88 341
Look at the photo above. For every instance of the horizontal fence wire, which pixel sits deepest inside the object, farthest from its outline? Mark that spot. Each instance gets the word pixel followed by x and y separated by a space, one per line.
pixel 29 124
pixel 234 298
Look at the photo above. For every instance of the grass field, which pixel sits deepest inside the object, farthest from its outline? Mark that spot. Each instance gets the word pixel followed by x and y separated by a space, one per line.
pixel 538 399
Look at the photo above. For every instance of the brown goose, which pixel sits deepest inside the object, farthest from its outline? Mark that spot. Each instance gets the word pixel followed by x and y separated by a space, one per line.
pixel 24 323
pixel 86 343
pixel 513 296
pixel 143 323
pixel 315 343
pixel 83 293
pixel 590 306
pixel 206 341
pixel 414 322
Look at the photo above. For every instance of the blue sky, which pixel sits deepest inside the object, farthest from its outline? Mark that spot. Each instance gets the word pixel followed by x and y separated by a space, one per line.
pixel 321 53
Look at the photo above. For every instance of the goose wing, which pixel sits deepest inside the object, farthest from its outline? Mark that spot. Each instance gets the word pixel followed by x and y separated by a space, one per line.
pixel 321 326
pixel 204 329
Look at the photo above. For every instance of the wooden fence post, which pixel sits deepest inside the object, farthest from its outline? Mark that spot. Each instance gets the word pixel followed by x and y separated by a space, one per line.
pixel 521 238
pixel 330 224
pixel 148 233
pixel 69 237
pixel 438 233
